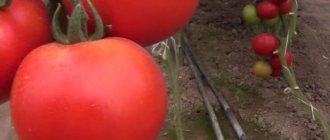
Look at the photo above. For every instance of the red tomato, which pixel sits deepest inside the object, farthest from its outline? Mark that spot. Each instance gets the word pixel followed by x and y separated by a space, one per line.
pixel 145 22
pixel 278 2
pixel 109 89
pixel 277 72
pixel 267 10
pixel 286 7
pixel 24 25
pixel 276 62
pixel 265 44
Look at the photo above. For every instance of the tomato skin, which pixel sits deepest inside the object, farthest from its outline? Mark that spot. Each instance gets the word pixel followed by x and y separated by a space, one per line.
pixel 24 25
pixel 145 22
pixel 277 72
pixel 278 2
pixel 265 44
pixel 249 14
pixel 262 69
pixel 267 10
pixel 109 89
pixel 286 7
pixel 276 62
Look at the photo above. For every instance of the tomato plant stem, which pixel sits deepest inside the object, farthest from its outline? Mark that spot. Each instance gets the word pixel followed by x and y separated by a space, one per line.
pixel 77 25
pixel 180 41
pixel 290 77
pixel 168 50
pixel 173 76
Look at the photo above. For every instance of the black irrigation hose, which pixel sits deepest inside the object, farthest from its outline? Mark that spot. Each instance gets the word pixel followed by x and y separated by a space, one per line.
pixel 225 106
pixel 201 88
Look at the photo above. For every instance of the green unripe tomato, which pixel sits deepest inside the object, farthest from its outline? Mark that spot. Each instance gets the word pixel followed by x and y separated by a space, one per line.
pixel 250 14
pixel 271 22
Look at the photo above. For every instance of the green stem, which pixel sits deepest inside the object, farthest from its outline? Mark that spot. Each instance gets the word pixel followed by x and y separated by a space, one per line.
pixel 180 56
pixel 5 3
pixel 284 25
pixel 57 31
pixel 76 31
pixel 77 26
pixel 172 70
pixel 290 77
pixel 99 29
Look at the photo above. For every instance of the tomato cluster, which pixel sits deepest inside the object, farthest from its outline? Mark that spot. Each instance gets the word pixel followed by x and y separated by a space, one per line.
pixel 267 45
pixel 84 87
pixel 267 13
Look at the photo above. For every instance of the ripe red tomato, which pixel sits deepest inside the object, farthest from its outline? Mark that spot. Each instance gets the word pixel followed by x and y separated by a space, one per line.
pixel 109 89
pixel 267 10
pixel 265 44
pixel 145 22
pixel 277 72
pixel 278 2
pixel 286 7
pixel 276 62
pixel 24 25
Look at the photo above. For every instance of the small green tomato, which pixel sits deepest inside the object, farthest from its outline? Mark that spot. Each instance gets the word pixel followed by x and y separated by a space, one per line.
pixel 250 14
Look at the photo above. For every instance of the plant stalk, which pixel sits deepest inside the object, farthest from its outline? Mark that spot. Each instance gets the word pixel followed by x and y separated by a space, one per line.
pixel 172 69
pixel 290 77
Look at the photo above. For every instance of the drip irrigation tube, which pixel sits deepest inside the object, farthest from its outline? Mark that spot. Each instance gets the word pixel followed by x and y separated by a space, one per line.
pixel 199 73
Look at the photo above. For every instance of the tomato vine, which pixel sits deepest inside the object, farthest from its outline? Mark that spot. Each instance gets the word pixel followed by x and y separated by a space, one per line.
pixel 168 51
pixel 285 31
pixel 289 73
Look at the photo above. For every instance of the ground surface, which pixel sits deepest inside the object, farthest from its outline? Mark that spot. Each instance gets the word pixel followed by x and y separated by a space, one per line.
pixel 223 44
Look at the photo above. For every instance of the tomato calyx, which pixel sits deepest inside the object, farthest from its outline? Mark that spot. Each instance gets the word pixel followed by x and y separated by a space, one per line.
pixel 5 3
pixel 77 25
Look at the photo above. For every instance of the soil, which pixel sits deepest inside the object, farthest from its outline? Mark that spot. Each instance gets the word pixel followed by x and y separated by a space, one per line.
pixel 222 42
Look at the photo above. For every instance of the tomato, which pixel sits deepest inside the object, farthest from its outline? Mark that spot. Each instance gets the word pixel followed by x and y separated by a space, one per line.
pixel 277 72
pixel 110 89
pixel 262 69
pixel 271 22
pixel 286 7
pixel 24 25
pixel 265 44
pixel 145 22
pixel 276 62
pixel 250 14
pixel 267 10
pixel 278 2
